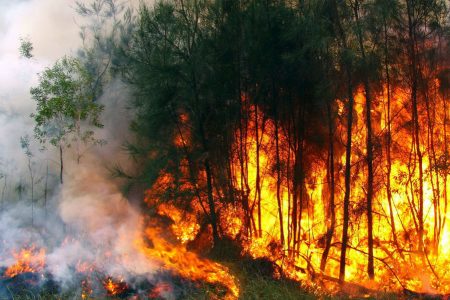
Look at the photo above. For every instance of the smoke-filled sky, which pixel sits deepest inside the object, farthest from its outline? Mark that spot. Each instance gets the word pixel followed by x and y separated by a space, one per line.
pixel 88 202
pixel 52 27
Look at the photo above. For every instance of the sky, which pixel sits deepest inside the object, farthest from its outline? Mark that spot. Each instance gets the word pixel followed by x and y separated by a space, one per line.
pixel 51 25
pixel 89 201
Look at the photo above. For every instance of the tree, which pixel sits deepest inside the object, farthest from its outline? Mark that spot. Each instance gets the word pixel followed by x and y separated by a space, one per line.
pixel 25 145
pixel 25 48
pixel 66 113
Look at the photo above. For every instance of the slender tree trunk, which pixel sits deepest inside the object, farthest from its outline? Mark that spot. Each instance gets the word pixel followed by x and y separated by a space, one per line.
pixel 211 203
pixel 45 192
pixel 192 177
pixel 444 98
pixel 369 145
pixel 348 153
pixel 433 171
pixel 296 193
pixel 61 163
pixel 370 177
pixel 415 116
pixel 30 170
pixel 297 206
pixel 258 175
pixel 389 136
pixel 3 192
pixel 331 206
pixel 278 168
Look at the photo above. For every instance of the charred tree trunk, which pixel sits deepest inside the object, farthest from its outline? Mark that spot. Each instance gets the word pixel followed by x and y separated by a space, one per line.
pixel 369 144
pixel 211 203
pixel 278 170
pixel 296 195
pixel 243 162
pixel 445 155
pixel 298 176
pixel 348 153
pixel 209 186
pixel 389 135
pixel 347 65
pixel 331 206
pixel 415 115
pixel 432 171
pixel 258 175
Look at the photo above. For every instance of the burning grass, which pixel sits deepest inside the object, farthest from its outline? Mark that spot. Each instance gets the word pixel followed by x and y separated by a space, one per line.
pixel 27 260
pixel 175 273
pixel 199 278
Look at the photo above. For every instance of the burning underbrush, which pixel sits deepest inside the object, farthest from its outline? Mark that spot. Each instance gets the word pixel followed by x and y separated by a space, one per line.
pixel 175 273
pixel 99 246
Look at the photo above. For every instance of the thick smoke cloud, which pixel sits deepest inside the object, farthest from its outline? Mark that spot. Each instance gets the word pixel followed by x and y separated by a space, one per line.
pixel 88 216
pixel 51 27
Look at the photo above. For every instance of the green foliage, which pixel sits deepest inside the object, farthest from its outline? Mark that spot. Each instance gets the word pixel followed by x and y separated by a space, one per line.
pixel 66 112
pixel 26 47
pixel 25 145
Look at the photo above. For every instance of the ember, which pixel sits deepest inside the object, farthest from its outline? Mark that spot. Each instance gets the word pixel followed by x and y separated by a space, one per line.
pixel 115 287
pixel 28 260
pixel 162 289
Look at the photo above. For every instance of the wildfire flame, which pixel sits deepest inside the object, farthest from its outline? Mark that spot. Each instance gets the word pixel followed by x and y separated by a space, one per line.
pixel 114 287
pixel 26 260
pixel 187 264
pixel 398 262
pixel 185 225
pixel 397 257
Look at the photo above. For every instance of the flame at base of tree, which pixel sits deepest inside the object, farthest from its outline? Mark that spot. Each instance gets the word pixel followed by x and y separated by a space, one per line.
pixel 186 263
pixel 161 256
pixel 253 218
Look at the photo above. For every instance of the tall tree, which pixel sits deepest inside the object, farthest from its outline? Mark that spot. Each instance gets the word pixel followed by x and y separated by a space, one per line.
pixel 66 113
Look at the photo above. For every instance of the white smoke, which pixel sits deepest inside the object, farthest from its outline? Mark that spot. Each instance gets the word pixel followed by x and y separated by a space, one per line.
pixel 88 218
pixel 51 27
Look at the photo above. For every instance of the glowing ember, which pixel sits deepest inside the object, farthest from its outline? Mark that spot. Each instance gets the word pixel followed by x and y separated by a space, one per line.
pixel 160 290
pixel 27 260
pixel 86 289
pixel 114 288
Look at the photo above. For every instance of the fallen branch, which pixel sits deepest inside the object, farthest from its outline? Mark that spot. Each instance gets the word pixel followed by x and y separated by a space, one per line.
pixel 425 296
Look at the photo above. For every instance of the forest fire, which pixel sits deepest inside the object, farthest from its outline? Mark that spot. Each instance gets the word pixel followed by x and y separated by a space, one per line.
pixel 114 287
pixel 27 260
pixel 188 264
pixel 30 271
pixel 297 247
pixel 298 144
pixel 397 250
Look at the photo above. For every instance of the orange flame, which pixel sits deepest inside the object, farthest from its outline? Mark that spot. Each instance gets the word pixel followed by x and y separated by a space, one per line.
pixel 113 287
pixel 27 260
pixel 398 263
pixel 185 226
pixel 185 263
